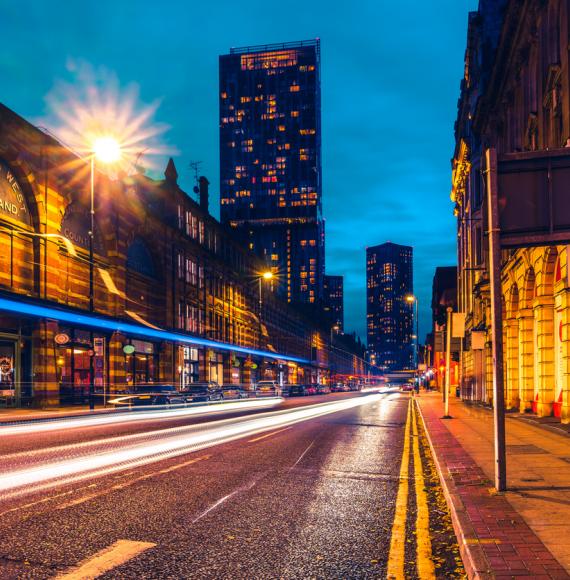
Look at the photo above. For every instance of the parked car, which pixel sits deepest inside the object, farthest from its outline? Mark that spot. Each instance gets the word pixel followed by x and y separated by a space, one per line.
pixel 311 389
pixel 355 387
pixel 323 389
pixel 200 392
pixel 407 387
pixel 150 394
pixel 340 388
pixel 296 390
pixel 268 389
pixel 233 392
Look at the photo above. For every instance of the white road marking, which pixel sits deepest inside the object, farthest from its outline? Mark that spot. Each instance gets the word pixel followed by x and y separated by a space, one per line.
pixel 302 455
pixel 115 555
pixel 223 500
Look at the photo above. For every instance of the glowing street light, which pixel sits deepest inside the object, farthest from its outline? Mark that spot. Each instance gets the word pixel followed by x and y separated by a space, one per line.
pixel 410 299
pixel 107 149
pixel 267 276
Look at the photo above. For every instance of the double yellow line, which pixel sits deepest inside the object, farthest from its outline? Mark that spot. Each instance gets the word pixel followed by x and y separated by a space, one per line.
pixel 396 558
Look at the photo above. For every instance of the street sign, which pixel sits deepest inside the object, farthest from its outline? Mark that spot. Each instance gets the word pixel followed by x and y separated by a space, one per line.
pixel 458 325
pixel 61 338
pixel 532 198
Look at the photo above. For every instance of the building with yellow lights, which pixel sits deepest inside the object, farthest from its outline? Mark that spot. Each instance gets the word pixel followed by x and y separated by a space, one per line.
pixel 515 99
pixel 175 299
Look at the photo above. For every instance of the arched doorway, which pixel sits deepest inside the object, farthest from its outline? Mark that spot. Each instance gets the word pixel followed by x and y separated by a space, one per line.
pixel 512 348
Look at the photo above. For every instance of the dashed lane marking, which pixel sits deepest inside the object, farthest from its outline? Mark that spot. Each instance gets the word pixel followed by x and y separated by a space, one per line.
pixel 426 569
pixel 118 553
pixel 396 555
pixel 268 435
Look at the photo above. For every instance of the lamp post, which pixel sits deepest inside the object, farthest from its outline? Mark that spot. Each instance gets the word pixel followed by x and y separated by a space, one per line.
pixel 410 298
pixel 107 150
pixel 268 275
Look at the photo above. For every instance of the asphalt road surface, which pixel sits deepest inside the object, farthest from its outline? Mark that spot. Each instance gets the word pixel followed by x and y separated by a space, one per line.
pixel 335 486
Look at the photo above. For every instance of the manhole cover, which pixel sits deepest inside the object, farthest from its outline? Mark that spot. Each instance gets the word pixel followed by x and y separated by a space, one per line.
pixel 524 449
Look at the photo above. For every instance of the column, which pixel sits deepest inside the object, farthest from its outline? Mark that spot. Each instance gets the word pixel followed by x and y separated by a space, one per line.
pixel 564 298
pixel 46 385
pixel 526 359
pixel 512 400
pixel 117 372
pixel 544 319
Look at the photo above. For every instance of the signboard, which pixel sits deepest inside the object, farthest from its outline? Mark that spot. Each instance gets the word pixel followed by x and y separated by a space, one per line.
pixel 75 226
pixel 128 349
pixel 439 342
pixel 458 325
pixel 533 198
pixel 61 338
pixel 478 339
pixel 12 201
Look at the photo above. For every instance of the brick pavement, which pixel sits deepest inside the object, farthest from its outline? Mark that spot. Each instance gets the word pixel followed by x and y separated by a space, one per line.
pixel 495 540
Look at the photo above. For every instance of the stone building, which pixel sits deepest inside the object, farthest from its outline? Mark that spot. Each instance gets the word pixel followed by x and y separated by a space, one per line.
pixel 515 98
pixel 175 298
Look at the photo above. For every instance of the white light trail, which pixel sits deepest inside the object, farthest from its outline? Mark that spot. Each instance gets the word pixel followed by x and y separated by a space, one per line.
pixel 182 440
pixel 134 416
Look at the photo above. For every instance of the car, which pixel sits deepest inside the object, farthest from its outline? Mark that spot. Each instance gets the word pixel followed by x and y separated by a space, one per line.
pixel 355 387
pixel 268 389
pixel 234 392
pixel 203 392
pixel 311 389
pixel 150 394
pixel 339 388
pixel 296 390
pixel 323 389
pixel 407 387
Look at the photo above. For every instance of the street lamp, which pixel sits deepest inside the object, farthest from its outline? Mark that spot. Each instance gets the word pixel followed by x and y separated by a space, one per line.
pixel 410 298
pixel 107 150
pixel 268 275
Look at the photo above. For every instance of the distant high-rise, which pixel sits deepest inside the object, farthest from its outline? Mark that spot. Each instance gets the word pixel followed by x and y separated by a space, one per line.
pixel 389 316
pixel 333 300
pixel 270 160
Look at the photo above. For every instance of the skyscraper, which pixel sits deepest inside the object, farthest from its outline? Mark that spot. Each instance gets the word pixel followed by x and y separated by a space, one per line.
pixel 333 300
pixel 270 160
pixel 389 316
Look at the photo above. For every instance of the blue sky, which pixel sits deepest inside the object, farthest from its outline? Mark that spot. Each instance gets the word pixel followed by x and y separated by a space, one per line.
pixel 390 82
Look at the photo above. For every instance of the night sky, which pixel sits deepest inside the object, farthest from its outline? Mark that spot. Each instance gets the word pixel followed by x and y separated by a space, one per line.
pixel 390 83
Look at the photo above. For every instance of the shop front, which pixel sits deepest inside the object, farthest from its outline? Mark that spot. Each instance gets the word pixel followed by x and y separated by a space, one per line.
pixel 81 360
pixel 215 367
pixel 15 370
pixel 141 363
pixel 189 365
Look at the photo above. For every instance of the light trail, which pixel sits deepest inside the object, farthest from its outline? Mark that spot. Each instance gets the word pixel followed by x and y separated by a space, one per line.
pixel 136 414
pixel 174 442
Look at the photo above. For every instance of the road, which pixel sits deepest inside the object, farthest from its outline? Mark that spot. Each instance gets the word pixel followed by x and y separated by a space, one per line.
pixel 316 487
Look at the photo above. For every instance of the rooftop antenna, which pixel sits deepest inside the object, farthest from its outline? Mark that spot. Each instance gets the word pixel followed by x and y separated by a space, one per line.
pixel 195 165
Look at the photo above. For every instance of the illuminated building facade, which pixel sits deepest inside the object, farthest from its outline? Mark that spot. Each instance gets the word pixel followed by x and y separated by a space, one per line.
pixel 176 297
pixel 270 161
pixel 514 98
pixel 333 300
pixel 389 316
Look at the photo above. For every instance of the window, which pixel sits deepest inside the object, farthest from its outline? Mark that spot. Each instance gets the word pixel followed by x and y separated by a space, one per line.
pixel 201 232
pixel 191 272
pixel 180 265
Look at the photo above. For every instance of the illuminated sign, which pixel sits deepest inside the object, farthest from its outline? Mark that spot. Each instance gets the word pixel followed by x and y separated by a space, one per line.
pixel 12 201
pixel 61 338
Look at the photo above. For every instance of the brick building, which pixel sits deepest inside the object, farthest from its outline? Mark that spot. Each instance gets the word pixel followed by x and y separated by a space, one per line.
pixel 175 296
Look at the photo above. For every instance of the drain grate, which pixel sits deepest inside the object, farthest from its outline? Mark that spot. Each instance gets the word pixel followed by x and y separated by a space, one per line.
pixel 524 450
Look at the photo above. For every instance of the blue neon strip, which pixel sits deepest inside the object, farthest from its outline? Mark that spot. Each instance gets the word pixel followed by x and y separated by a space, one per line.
pixel 128 328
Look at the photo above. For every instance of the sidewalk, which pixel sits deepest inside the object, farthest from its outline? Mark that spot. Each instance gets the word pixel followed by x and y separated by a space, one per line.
pixel 524 533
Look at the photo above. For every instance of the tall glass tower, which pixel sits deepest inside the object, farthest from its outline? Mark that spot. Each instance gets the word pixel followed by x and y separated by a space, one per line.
pixel 270 160
pixel 389 316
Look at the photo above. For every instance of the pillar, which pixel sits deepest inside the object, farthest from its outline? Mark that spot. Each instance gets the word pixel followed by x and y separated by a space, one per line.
pixel 46 383
pixel 544 319
pixel 512 399
pixel 117 373
pixel 526 359
pixel 564 300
